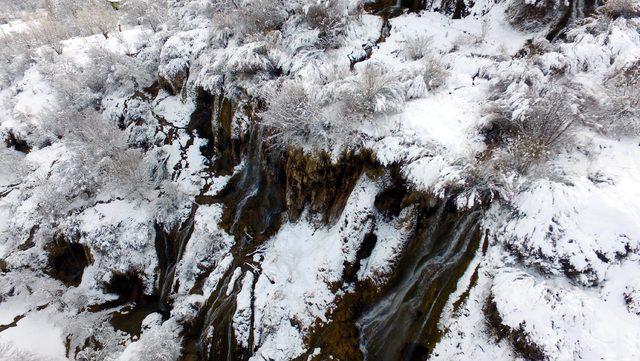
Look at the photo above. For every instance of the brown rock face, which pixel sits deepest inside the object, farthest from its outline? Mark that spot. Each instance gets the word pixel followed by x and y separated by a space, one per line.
pixel 396 320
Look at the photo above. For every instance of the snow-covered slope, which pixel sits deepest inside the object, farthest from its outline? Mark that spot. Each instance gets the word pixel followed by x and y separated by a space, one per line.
pixel 279 180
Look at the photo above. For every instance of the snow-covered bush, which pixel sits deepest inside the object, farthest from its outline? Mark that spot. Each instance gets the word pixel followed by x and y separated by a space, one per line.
pixel 537 125
pixel 246 17
pixel 117 71
pixel 434 72
pixel 316 116
pixel 96 18
pixel 50 32
pixel 100 153
pixel 13 10
pixel 374 90
pixel 620 115
pixel 417 46
pixel 81 85
pixel 624 94
pixel 131 174
pixel 294 117
pixel 157 343
pixel 533 15
pixel 168 206
pixel 15 57
pixel 250 59
pixel 329 18
pixel 262 16
pixel 620 8
pixel 429 75
pixel 151 13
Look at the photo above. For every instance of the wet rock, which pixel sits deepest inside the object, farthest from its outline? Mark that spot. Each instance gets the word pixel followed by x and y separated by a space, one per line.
pixel 316 183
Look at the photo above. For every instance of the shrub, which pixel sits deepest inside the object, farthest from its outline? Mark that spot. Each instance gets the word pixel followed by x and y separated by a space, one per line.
pixel 15 57
pixel 434 72
pixel 245 17
pixel 158 344
pixel 417 46
pixel 97 18
pixel 262 16
pixel 534 15
pixel 537 127
pixel 620 8
pixel 331 114
pixel 620 114
pixel 84 85
pixel 130 173
pixel 151 13
pixel 374 90
pixel 294 117
pixel 329 18
pixel 49 31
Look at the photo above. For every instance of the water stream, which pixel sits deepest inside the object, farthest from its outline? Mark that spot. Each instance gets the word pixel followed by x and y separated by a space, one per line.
pixel 169 248
pixel 402 324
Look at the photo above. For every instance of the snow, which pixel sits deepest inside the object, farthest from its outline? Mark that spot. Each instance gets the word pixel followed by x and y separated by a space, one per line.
pixel 566 321
pixel 174 110
pixel 561 263
pixel 390 242
pixel 119 233
pixel 299 266
pixel 208 247
pixel 14 26
pixel 243 313
pixel 11 308
pixel 597 204
pixel 50 343
pixel 466 335
pixel 123 42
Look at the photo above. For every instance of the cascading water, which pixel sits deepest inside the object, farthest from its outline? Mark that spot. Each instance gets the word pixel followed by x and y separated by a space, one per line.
pixel 254 203
pixel 169 248
pixel 402 324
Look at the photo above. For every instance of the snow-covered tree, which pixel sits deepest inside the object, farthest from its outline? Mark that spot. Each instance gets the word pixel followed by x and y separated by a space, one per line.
pixel 97 18
pixel 150 13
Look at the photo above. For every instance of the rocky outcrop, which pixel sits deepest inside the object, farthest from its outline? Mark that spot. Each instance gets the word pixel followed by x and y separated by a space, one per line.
pixel 274 185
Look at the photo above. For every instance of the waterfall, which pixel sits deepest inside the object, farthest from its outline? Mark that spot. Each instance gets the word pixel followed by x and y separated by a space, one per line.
pixel 169 248
pixel 404 321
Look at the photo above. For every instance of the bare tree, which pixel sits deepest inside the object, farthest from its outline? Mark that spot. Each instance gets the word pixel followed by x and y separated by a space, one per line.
pixel 97 18
pixel 50 32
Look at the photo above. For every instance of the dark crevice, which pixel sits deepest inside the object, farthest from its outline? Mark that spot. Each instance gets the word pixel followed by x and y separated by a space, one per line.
pixel 12 141
pixel 67 260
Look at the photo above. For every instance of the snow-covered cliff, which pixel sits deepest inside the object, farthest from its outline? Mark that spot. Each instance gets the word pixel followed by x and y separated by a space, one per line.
pixel 311 179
